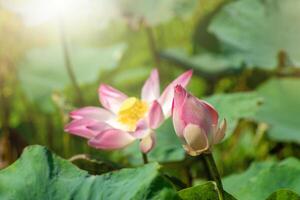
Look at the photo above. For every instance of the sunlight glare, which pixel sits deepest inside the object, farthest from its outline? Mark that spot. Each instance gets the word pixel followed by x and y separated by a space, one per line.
pixel 35 12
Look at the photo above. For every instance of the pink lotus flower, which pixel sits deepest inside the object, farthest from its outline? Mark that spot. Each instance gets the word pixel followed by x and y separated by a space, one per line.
pixel 126 119
pixel 196 122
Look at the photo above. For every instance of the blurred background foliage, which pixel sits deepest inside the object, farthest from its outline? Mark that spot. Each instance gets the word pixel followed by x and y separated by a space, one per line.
pixel 245 55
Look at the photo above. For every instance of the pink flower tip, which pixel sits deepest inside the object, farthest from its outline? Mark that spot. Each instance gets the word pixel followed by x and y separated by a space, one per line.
pixel 179 89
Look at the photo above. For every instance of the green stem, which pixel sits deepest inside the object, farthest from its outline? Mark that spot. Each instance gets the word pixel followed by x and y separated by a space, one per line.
pixel 145 158
pixel 214 173
pixel 153 46
pixel 68 63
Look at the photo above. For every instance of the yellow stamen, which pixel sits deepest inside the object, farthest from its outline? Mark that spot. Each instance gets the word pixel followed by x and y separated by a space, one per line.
pixel 131 111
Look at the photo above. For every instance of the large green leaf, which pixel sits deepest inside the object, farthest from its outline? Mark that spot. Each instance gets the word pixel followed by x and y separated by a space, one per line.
pixel 264 178
pixel 284 194
pixel 207 191
pixel 43 70
pixel 205 63
pixel 167 149
pixel 260 29
pixel 281 108
pixel 39 174
pixel 235 106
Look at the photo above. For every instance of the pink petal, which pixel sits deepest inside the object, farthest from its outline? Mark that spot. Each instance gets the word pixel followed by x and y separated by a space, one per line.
pixel 196 140
pixel 178 124
pixel 147 143
pixel 220 133
pixel 99 127
pixel 91 113
pixel 111 98
pixel 156 115
pixel 178 101
pixel 180 95
pixel 167 96
pixel 212 112
pixel 151 90
pixel 196 111
pixel 111 139
pixel 80 127
pixel 142 129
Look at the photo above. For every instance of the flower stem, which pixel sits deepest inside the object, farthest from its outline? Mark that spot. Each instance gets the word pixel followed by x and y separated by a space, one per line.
pixel 214 173
pixel 153 46
pixel 68 63
pixel 145 158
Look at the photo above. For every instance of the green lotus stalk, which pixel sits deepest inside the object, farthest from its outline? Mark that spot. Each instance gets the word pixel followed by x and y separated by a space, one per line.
pixel 68 63
pixel 145 158
pixel 214 173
